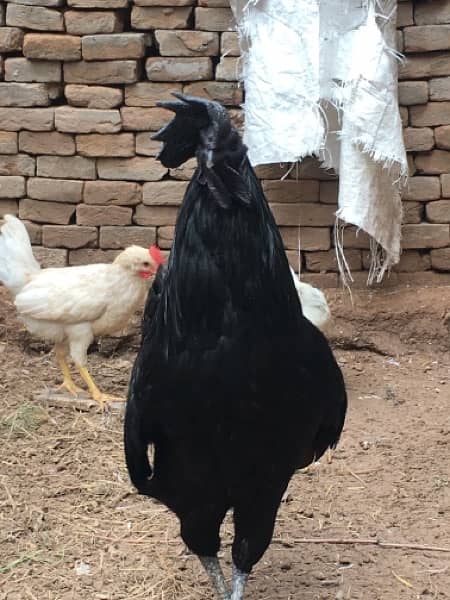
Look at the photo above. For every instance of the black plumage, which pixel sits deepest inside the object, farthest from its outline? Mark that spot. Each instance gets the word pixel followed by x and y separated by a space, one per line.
pixel 232 385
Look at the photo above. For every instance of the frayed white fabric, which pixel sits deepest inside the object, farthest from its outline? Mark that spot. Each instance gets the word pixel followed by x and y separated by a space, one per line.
pixel 321 79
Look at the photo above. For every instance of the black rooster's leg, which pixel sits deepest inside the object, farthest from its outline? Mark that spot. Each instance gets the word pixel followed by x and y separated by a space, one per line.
pixel 200 530
pixel 212 567
pixel 239 581
pixel 254 521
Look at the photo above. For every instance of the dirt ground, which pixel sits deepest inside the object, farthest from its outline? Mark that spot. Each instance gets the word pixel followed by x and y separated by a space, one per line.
pixel 71 526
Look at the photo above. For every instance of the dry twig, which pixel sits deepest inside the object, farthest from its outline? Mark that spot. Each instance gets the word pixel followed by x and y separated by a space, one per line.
pixel 369 542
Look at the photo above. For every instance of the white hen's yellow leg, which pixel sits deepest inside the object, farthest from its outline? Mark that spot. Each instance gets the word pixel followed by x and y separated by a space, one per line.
pixel 68 383
pixel 96 394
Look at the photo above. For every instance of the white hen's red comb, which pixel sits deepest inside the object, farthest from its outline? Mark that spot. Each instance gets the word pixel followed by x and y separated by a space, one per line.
pixel 156 254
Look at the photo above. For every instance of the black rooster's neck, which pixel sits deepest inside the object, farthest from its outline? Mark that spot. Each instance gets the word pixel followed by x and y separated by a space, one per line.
pixel 220 226
pixel 226 259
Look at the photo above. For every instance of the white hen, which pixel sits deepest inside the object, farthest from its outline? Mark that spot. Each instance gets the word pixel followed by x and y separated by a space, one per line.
pixel 72 305
pixel 314 304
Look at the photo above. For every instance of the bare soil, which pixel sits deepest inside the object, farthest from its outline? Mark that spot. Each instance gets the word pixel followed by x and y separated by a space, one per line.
pixel 72 528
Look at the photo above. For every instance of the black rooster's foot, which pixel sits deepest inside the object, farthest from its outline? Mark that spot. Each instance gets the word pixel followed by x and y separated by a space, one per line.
pixel 212 567
pixel 239 582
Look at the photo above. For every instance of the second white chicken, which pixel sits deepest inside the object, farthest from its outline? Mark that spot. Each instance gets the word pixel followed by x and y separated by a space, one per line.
pixel 314 304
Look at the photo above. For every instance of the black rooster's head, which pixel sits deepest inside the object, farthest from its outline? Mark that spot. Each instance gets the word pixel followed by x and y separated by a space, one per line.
pixel 200 128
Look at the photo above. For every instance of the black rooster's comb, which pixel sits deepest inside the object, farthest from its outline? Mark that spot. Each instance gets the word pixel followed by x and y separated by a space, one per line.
pixel 181 136
pixel 186 104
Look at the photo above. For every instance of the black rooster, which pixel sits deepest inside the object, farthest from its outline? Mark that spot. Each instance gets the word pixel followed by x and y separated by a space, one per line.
pixel 232 385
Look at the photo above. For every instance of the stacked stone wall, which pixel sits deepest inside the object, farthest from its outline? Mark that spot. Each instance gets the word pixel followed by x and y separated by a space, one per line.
pixel 79 83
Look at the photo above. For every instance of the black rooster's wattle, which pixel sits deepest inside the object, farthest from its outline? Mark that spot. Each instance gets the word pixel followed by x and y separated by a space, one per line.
pixel 232 385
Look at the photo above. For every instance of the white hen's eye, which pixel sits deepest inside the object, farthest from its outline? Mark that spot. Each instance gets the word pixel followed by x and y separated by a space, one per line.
pixel 146 264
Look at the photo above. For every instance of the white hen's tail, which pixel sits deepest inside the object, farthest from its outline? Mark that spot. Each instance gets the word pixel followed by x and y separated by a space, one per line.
pixel 17 262
pixel 314 304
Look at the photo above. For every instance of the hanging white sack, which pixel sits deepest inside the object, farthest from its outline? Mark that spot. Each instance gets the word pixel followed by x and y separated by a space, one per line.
pixel 321 79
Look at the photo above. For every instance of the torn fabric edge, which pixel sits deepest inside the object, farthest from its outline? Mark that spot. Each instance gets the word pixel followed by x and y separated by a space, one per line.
pixel 378 151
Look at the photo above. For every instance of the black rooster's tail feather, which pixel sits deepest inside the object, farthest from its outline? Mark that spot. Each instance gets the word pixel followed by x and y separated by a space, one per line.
pixel 136 445
pixel 152 302
pixel 138 434
pixel 329 434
